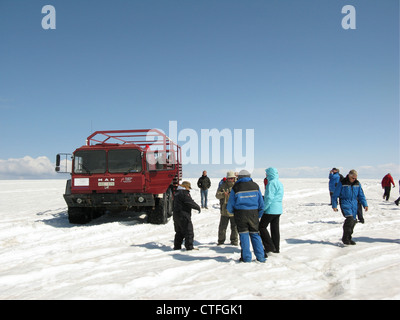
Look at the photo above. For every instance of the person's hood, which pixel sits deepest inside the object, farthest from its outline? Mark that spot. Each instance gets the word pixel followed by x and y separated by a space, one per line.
pixel 272 173
pixel 244 179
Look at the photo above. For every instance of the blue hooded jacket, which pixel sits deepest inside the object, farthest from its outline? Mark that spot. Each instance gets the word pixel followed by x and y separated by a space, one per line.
pixel 334 179
pixel 245 196
pixel 273 193
pixel 349 194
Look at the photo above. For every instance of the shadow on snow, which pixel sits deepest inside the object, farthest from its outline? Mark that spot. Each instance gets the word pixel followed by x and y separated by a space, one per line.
pixel 192 255
pixel 59 218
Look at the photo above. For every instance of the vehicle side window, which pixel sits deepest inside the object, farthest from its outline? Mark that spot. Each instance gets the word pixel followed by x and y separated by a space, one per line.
pixel 160 160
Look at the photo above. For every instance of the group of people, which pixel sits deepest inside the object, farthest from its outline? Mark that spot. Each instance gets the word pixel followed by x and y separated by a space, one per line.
pixel 243 206
pixel 352 199
pixel 250 214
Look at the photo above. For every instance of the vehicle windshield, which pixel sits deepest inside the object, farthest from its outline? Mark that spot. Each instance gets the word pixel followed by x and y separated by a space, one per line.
pixel 90 161
pixel 124 161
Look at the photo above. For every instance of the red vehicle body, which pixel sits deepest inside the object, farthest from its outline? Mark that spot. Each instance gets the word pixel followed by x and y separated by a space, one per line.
pixel 123 170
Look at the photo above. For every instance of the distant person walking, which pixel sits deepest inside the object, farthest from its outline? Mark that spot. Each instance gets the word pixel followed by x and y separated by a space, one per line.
pixel 386 183
pixel 246 203
pixel 204 184
pixel 183 205
pixel 349 191
pixel 272 211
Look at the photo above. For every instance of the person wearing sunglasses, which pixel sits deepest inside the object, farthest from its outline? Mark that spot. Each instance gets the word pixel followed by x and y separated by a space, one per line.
pixel 350 192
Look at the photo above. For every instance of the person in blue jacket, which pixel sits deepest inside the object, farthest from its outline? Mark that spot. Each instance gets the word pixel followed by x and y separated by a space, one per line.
pixel 334 178
pixel 246 203
pixel 349 191
pixel 272 211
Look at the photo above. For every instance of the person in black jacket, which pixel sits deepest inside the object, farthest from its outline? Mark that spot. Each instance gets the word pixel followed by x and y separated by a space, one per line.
pixel 204 184
pixel 183 205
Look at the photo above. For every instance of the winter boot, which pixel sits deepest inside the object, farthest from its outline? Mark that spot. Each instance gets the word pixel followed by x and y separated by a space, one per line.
pixel 245 245
pixel 257 246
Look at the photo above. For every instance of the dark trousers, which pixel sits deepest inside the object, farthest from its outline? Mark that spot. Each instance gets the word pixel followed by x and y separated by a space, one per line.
pixel 271 243
pixel 360 214
pixel 223 225
pixel 386 195
pixel 348 228
pixel 183 231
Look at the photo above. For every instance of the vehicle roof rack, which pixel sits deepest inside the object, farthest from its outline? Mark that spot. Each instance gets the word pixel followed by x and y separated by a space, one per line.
pixel 145 138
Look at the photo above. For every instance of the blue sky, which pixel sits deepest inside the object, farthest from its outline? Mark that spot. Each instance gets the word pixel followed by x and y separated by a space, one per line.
pixel 317 96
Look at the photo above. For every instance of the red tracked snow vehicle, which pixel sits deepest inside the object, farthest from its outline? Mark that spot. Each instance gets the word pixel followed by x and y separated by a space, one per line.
pixel 123 170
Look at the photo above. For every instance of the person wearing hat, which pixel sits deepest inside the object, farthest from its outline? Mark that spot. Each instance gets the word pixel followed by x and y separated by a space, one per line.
pixel 183 205
pixel 246 203
pixel 226 217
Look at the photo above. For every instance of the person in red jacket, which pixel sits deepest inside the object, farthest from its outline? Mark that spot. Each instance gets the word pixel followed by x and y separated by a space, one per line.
pixel 387 182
